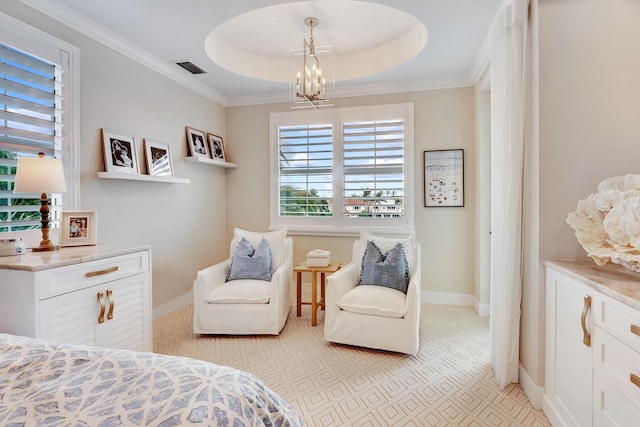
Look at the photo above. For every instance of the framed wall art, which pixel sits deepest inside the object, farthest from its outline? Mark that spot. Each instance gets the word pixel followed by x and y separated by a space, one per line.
pixel 119 152
pixel 78 228
pixel 158 157
pixel 444 178
pixel 216 147
pixel 197 143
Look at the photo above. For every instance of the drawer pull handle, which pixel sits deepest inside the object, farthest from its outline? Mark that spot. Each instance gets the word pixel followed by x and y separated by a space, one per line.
pixel 101 272
pixel 583 320
pixel 111 303
pixel 634 379
pixel 101 300
pixel 635 329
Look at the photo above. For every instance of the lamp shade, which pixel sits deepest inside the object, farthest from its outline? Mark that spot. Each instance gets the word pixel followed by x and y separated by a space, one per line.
pixel 39 175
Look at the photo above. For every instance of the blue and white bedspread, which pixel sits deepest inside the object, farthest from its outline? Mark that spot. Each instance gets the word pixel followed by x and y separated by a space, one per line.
pixel 42 383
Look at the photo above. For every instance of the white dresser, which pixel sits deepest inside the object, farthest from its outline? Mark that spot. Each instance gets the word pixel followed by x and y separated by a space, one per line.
pixel 93 295
pixel 592 355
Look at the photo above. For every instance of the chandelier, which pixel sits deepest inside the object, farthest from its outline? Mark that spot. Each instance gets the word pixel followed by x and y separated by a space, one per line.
pixel 312 85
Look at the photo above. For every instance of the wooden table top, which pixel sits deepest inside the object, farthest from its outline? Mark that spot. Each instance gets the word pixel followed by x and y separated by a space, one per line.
pixel 331 268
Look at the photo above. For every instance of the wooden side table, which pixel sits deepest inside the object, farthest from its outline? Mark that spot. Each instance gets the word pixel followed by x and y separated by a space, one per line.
pixel 303 268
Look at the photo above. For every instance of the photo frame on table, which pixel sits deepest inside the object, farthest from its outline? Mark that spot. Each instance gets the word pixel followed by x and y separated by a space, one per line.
pixel 216 147
pixel 444 178
pixel 158 158
pixel 78 228
pixel 119 152
pixel 197 143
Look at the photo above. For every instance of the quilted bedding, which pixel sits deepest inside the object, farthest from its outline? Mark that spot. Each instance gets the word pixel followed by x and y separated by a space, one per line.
pixel 43 383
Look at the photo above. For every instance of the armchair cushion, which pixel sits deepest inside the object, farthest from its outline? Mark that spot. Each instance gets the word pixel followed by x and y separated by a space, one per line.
pixel 389 269
pixel 250 263
pixel 374 300
pixel 240 292
pixel 275 239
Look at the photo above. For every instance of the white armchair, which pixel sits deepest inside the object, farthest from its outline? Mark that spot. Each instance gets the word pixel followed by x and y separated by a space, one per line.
pixel 244 306
pixel 375 317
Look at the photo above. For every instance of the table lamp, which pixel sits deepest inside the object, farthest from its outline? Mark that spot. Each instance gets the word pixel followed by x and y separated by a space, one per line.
pixel 41 175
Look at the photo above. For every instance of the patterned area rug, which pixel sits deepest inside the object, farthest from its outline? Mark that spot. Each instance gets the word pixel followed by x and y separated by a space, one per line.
pixel 449 383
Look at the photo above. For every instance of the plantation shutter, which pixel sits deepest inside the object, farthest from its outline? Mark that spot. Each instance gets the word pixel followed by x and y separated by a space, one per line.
pixel 306 170
pixel 373 168
pixel 30 122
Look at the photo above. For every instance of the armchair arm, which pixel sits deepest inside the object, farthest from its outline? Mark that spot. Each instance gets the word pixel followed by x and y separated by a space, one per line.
pixel 415 287
pixel 280 280
pixel 210 278
pixel 339 283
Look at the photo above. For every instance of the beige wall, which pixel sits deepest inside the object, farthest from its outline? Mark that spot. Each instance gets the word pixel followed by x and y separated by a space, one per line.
pixel 189 226
pixel 444 119
pixel 589 126
pixel 183 224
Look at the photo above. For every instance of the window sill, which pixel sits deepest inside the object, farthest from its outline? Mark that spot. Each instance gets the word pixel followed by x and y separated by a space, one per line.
pixel 344 232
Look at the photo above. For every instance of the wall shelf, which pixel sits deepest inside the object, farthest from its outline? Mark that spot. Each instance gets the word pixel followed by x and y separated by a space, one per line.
pixel 212 162
pixel 140 177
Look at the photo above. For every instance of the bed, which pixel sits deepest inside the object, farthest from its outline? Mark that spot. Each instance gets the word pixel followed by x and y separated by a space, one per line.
pixel 43 383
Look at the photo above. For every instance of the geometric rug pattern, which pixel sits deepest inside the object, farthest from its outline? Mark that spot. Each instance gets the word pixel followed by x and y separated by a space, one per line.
pixel 449 383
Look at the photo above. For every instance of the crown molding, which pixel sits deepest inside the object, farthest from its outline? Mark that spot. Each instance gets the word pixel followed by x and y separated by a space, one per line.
pixel 80 23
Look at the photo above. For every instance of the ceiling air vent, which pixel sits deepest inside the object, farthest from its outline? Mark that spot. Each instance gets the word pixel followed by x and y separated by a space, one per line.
pixel 191 67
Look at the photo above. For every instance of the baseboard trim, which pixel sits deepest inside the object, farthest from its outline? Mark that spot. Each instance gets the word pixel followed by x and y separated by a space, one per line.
pixel 450 298
pixel 534 392
pixel 483 310
pixel 173 305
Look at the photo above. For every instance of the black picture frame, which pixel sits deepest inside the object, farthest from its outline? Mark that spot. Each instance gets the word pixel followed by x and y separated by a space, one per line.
pixel 443 178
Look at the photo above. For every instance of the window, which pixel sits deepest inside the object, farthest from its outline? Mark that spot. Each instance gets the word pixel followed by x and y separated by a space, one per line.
pixel 344 170
pixel 34 82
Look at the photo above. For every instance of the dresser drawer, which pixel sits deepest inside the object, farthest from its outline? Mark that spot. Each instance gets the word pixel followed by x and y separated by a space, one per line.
pixel 618 364
pixel 50 283
pixel 620 320
pixel 610 407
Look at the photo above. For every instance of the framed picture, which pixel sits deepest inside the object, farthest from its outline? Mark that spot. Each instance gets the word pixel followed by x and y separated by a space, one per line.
pixel 158 157
pixel 197 143
pixel 216 147
pixel 78 228
pixel 444 178
pixel 119 152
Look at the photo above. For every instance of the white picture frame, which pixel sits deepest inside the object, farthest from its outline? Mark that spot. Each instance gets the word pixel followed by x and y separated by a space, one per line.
pixel 197 143
pixel 158 158
pixel 216 147
pixel 119 152
pixel 78 228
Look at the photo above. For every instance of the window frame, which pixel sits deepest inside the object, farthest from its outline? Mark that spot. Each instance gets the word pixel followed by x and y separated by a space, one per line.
pixel 336 225
pixel 38 43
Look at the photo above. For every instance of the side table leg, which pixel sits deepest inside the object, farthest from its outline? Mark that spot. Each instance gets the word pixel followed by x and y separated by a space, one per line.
pixel 299 293
pixel 322 287
pixel 314 299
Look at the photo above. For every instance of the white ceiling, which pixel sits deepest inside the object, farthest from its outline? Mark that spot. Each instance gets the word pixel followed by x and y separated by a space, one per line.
pixel 172 30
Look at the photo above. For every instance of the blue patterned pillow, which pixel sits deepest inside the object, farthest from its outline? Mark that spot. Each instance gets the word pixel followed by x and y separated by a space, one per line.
pixel 250 263
pixel 389 269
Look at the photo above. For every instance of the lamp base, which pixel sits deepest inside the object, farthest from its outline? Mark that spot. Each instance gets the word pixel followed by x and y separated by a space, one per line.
pixel 45 243
pixel 45 246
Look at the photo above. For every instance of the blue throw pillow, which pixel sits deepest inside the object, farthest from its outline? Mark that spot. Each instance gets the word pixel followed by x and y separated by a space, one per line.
pixel 389 269
pixel 250 263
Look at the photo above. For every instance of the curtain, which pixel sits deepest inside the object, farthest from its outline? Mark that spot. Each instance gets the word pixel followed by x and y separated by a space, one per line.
pixel 509 112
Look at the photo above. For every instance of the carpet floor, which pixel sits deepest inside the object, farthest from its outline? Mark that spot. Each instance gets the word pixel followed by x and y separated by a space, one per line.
pixel 449 383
